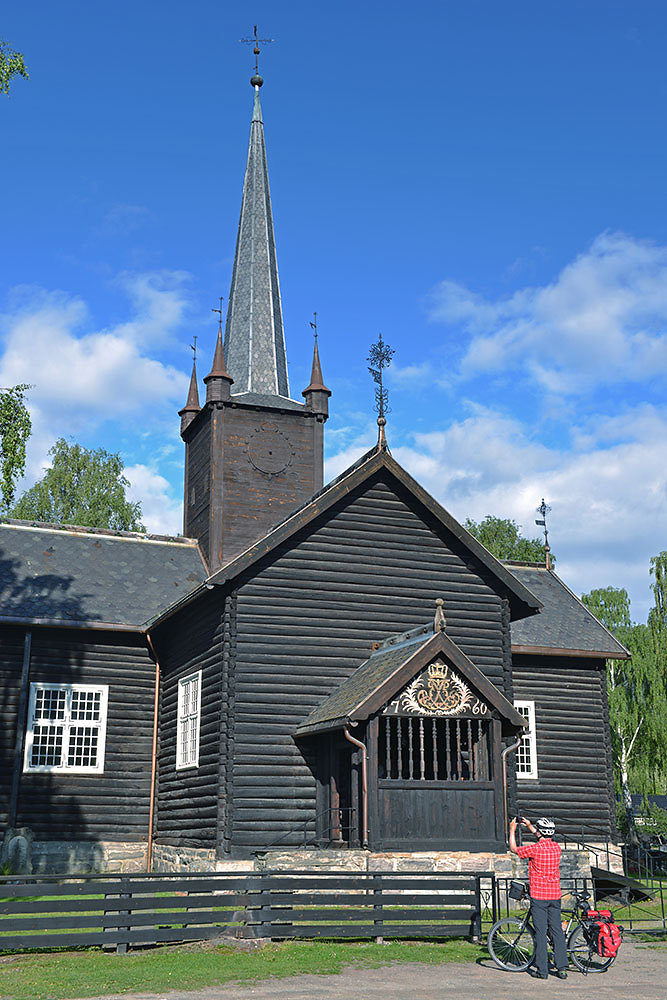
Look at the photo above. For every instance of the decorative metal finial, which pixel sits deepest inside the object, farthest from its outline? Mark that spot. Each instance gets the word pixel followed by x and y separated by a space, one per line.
pixel 380 356
pixel 313 325
pixel 544 509
pixel 219 312
pixel 257 80
pixel 439 622
pixel 193 348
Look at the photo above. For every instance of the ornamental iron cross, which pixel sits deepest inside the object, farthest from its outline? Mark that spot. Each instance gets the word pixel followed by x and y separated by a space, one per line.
pixel 256 42
pixel 380 356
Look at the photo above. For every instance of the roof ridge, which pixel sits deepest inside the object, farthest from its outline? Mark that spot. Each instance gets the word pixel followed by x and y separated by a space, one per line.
pixel 82 529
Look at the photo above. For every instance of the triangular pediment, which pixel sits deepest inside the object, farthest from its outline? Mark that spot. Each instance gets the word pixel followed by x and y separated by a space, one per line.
pixel 375 466
pixel 439 691
pixel 414 675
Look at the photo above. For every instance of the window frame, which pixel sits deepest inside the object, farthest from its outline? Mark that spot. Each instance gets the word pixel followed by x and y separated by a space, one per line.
pixel 67 723
pixel 182 765
pixel 529 739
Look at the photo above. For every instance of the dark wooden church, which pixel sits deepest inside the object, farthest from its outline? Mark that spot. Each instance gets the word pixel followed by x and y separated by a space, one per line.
pixel 322 667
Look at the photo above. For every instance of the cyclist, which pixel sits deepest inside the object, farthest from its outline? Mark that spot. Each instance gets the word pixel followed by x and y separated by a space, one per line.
pixel 544 887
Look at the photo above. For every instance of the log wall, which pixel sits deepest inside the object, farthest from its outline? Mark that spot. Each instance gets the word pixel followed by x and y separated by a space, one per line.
pixel 112 805
pixel 574 783
pixel 187 812
pixel 306 619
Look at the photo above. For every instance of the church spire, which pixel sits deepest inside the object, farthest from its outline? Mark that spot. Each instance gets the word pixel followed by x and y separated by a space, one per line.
pixel 192 407
pixel 254 338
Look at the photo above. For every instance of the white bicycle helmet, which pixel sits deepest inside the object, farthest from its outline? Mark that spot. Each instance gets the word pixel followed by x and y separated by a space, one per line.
pixel 545 826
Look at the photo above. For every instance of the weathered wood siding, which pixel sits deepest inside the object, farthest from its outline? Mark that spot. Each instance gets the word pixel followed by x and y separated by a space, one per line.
pixel 197 474
pixel 229 503
pixel 574 783
pixel 11 660
pixel 306 620
pixel 112 805
pixel 188 798
pixel 253 503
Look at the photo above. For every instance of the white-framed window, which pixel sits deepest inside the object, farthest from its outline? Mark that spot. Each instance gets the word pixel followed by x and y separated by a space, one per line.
pixel 189 715
pixel 66 728
pixel 526 755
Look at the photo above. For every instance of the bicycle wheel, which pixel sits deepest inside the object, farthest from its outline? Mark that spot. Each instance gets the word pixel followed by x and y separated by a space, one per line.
pixel 511 943
pixel 584 955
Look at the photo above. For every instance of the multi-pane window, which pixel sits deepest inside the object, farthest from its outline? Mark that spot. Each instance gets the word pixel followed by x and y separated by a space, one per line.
pixel 526 755
pixel 189 712
pixel 434 749
pixel 66 727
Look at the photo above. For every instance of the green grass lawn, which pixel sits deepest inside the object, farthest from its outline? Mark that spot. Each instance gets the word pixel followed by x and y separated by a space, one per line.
pixel 64 975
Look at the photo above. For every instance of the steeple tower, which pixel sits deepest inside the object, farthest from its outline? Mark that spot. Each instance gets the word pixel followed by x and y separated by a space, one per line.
pixel 254 337
pixel 252 454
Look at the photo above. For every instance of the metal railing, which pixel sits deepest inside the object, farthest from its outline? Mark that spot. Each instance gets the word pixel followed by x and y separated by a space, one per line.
pixel 341 826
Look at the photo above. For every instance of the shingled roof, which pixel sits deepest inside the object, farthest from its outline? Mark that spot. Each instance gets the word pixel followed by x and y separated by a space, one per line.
pixel 391 666
pixel 565 625
pixel 63 575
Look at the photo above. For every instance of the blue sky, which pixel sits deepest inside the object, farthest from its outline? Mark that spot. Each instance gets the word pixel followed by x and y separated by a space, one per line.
pixel 484 183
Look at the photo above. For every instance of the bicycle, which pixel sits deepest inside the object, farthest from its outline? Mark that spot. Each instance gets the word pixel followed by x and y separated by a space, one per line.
pixel 511 940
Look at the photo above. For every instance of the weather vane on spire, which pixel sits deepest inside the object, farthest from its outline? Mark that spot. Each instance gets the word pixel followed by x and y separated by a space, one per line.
pixel 256 42
pixel 219 312
pixel 313 325
pixel 544 509
pixel 193 348
pixel 380 356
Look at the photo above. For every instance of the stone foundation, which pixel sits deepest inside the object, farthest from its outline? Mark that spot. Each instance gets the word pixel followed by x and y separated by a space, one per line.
pixel 574 864
pixel 185 859
pixel 79 857
pixel 84 858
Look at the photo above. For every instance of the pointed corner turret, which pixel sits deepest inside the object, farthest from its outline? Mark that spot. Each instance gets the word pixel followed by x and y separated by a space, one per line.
pixel 192 407
pixel 317 394
pixel 218 381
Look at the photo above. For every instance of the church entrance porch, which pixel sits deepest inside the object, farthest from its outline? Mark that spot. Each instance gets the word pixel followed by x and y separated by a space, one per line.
pixel 426 770
pixel 438 783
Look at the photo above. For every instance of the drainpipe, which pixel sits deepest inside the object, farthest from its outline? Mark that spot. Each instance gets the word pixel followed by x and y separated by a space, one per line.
pixel 364 785
pixel 151 807
pixel 506 751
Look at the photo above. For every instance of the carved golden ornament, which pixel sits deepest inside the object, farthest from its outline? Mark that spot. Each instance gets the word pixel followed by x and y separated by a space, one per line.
pixel 438 691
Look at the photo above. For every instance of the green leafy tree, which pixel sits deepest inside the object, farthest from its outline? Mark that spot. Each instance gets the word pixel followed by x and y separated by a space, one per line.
pixel 11 64
pixel 15 428
pixel 637 699
pixel 501 537
pixel 82 487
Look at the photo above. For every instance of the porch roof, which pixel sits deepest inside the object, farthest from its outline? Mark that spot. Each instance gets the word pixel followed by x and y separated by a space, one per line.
pixel 391 667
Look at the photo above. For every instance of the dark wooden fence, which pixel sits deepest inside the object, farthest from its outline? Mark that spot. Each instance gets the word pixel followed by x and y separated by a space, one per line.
pixel 137 910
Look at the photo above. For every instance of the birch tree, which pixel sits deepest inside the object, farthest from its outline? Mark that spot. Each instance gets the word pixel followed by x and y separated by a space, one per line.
pixel 636 687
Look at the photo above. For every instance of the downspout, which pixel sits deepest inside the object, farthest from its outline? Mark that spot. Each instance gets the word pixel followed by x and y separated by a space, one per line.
pixel 364 785
pixel 151 807
pixel 506 751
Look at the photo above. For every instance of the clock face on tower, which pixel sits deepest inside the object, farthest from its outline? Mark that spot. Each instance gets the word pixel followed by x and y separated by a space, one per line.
pixel 269 450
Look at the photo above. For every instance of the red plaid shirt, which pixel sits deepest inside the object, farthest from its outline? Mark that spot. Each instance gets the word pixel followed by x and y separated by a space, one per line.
pixel 543 868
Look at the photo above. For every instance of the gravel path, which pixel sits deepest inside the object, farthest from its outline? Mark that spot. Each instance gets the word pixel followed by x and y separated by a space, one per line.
pixel 639 972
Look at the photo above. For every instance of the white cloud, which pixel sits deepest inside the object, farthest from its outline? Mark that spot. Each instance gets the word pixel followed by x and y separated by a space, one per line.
pixel 602 321
pixel 162 513
pixel 83 377
pixel 608 498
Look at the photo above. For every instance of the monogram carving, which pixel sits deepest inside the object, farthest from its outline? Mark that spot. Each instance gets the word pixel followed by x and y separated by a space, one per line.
pixel 438 691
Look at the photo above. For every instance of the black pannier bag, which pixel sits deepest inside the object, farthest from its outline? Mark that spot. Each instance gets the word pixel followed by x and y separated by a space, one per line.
pixel 517 890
